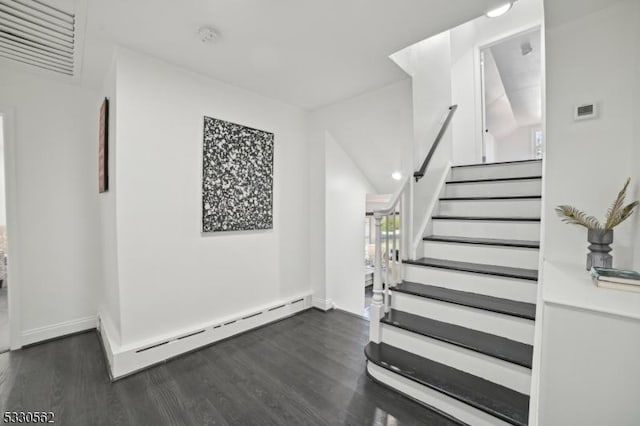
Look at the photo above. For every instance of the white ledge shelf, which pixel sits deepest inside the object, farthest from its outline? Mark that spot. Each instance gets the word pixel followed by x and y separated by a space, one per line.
pixel 571 285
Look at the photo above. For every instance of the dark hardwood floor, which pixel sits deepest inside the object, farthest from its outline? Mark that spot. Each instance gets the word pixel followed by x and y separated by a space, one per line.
pixel 305 370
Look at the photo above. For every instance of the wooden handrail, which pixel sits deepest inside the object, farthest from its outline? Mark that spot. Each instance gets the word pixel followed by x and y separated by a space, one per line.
pixel 420 173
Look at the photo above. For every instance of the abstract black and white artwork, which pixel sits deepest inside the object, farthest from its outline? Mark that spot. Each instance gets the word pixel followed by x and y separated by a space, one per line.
pixel 237 178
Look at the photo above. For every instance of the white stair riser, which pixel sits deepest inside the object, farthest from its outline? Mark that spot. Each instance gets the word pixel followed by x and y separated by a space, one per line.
pixel 491 285
pixel 514 328
pixel 433 398
pixel 497 171
pixel 508 230
pixel 495 370
pixel 515 257
pixel 490 208
pixel 494 189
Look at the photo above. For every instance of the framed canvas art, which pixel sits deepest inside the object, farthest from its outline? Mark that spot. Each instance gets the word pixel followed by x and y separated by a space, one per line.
pixel 103 148
pixel 237 177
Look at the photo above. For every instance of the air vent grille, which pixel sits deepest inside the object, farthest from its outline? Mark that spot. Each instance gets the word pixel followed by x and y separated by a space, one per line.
pixel 35 33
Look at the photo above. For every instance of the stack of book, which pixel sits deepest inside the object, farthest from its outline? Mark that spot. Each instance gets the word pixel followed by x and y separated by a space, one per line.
pixel 618 279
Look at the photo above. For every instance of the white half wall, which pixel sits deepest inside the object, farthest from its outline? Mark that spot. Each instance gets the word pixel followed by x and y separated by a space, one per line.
pixel 594 58
pixel 516 146
pixel 55 245
pixel 590 368
pixel 346 192
pixel 171 276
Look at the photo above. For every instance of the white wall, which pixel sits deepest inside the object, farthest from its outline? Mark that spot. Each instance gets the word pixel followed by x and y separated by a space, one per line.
pixel 593 58
pixel 3 209
pixel 346 191
pixel 55 264
pixel 109 297
pixel 466 39
pixel 516 146
pixel 171 276
pixel 635 158
pixel 316 158
pixel 375 130
pixel 429 64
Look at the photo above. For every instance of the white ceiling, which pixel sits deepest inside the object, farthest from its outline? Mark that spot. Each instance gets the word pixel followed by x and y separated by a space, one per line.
pixel 558 12
pixel 303 52
pixel 521 76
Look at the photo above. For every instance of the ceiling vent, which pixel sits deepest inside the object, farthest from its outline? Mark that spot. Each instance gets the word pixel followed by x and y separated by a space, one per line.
pixel 38 34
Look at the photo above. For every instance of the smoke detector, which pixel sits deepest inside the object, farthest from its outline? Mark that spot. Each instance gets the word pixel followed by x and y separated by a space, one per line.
pixel 208 34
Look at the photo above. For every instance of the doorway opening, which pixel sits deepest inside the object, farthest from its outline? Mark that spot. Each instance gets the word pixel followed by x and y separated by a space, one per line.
pixel 388 228
pixel 369 259
pixel 511 75
pixel 4 285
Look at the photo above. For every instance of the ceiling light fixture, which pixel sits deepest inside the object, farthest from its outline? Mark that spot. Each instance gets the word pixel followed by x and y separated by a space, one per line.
pixel 208 34
pixel 396 175
pixel 499 11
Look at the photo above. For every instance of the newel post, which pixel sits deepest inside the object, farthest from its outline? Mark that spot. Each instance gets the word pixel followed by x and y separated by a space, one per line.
pixel 377 303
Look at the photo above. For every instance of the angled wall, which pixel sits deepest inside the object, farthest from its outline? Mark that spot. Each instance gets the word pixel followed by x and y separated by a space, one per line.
pixel 346 188
pixel 375 131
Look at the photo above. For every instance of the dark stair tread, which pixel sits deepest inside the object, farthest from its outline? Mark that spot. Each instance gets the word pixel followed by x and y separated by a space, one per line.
pixel 477 268
pixel 484 241
pixel 487 218
pixel 502 197
pixel 485 343
pixel 535 160
pixel 503 179
pixel 496 400
pixel 472 300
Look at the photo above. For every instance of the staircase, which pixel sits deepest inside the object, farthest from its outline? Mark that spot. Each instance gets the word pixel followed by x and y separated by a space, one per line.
pixel 457 330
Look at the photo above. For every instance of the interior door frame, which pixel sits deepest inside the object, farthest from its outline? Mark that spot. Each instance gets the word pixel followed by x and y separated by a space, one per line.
pixel 13 247
pixel 481 124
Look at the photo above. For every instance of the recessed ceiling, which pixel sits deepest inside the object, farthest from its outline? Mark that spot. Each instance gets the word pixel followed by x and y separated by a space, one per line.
pixel 303 52
pixel 559 12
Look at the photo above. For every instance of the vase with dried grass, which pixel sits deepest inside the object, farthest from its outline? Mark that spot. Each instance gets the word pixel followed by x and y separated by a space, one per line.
pixel 599 235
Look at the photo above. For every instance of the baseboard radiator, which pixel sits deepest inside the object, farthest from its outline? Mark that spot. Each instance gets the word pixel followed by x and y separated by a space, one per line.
pixel 131 359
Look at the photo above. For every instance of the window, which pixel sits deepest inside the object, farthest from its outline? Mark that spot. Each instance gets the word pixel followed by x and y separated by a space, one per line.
pixel 537 144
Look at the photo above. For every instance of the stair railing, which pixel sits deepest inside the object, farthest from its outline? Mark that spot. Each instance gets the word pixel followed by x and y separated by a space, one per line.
pixel 443 129
pixel 400 206
pixel 397 215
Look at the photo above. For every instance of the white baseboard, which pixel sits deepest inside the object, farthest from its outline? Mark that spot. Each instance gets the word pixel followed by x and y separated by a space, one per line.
pixel 60 329
pixel 133 358
pixel 323 304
